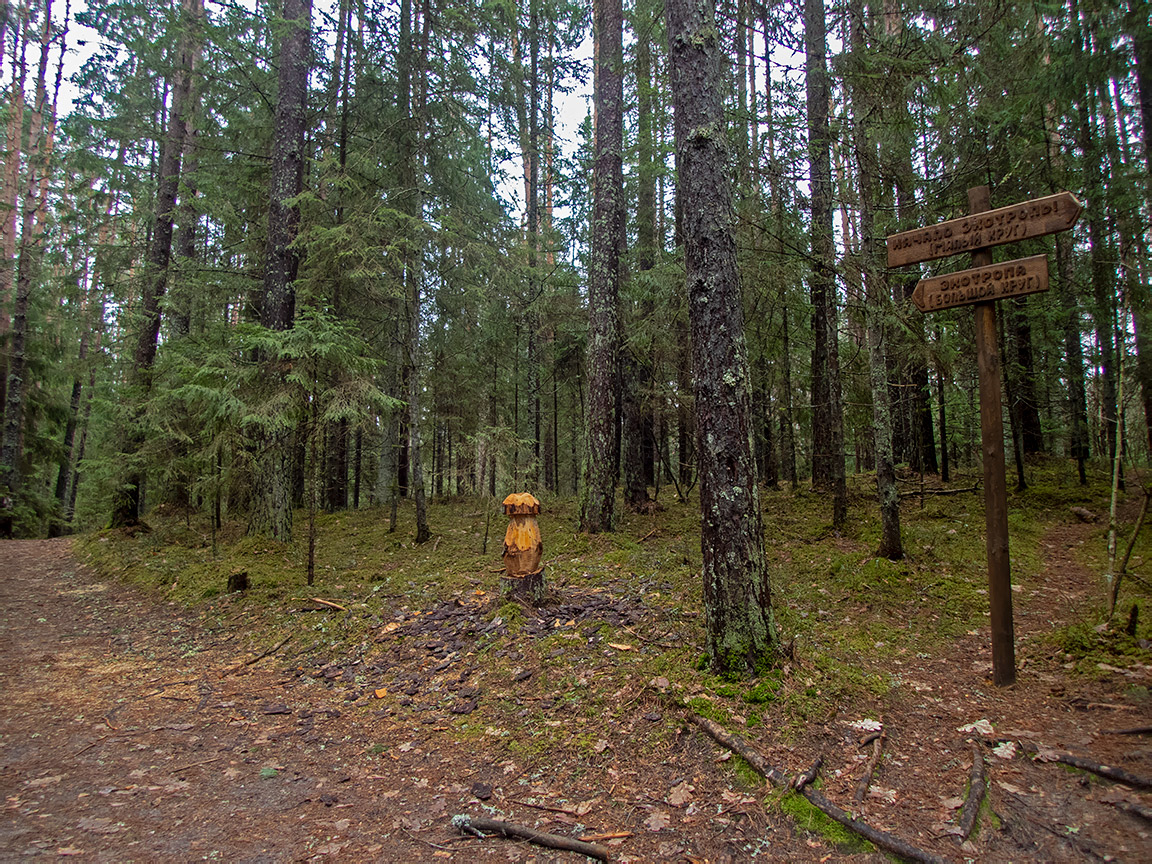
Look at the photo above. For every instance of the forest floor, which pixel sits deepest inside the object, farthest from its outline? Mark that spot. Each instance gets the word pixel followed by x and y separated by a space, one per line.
pixel 148 716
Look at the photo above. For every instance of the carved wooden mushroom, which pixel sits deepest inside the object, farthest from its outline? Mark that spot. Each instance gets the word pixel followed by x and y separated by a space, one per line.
pixel 523 549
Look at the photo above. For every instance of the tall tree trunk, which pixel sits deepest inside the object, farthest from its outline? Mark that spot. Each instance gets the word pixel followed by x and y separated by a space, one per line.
pixel 271 512
pixel 827 414
pixel 636 368
pixel 28 261
pixel 877 294
pixel 742 638
pixel 9 203
pixel 126 504
pixel 1141 32
pixel 598 491
pixel 412 203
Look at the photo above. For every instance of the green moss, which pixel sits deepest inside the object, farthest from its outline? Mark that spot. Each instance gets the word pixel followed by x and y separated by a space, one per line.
pixel 813 820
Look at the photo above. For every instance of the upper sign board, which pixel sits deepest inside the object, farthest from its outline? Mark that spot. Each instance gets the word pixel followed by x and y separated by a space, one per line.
pixel 991 228
pixel 982 284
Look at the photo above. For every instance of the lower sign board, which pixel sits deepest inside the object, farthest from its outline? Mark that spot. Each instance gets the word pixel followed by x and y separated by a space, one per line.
pixel 982 284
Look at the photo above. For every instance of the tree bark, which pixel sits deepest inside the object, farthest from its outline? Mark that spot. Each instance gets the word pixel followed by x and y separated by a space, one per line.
pixel 127 502
pixel 28 262
pixel 742 636
pixel 271 513
pixel 877 294
pixel 827 414
pixel 598 492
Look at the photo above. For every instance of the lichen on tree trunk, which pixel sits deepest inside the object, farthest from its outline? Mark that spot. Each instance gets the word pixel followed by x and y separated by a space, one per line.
pixel 742 636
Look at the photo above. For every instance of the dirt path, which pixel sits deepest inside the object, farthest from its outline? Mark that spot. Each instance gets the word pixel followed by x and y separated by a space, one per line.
pixel 121 740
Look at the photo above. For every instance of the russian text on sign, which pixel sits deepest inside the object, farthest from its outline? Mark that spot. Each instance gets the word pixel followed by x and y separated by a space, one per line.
pixel 980 284
pixel 991 228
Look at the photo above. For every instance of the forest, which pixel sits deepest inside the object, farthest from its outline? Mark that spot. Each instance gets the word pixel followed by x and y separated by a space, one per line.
pixel 278 258
pixel 293 294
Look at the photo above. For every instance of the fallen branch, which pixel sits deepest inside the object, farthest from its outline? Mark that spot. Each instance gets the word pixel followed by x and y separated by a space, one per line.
pixel 474 824
pixel 329 604
pixel 1119 775
pixel 1133 808
pixel 976 788
pixel 1135 730
pixel 648 535
pixel 258 657
pixel 870 768
pixel 880 839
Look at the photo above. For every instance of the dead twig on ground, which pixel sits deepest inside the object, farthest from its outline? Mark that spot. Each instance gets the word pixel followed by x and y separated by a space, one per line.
pixel 870 768
pixel 880 839
pixel 195 764
pixel 976 789
pixel 473 824
pixel 233 669
pixel 1084 764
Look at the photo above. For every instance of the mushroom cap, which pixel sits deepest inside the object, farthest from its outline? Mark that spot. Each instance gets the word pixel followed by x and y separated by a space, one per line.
pixel 521 504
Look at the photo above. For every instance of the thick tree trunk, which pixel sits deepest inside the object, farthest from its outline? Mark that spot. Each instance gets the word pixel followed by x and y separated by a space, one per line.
pixel 827 415
pixel 598 493
pixel 271 513
pixel 742 637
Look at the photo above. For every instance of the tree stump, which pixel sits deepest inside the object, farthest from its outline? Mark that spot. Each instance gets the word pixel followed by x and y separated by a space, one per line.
pixel 523 550
pixel 237 581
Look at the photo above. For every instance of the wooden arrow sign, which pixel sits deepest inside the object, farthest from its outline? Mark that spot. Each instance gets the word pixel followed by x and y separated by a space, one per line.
pixel 991 228
pixel 982 284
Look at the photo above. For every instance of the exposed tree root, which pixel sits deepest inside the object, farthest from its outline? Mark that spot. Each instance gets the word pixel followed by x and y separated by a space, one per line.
pixel 976 789
pixel 479 826
pixel 870 768
pixel 880 839
pixel 1117 774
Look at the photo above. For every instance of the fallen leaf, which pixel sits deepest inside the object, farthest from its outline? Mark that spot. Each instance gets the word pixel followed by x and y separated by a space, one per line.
pixel 888 796
pixel 69 850
pixel 1008 787
pixel 619 646
pixel 660 683
pixel 951 803
pixel 867 725
pixel 1007 750
pixel 1046 754
pixel 982 726
pixel 382 692
pixel 405 747
pixel 600 746
pixel 657 820
pixel 680 794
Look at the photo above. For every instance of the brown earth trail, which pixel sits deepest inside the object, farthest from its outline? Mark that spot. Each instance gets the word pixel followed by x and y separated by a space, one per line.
pixel 133 730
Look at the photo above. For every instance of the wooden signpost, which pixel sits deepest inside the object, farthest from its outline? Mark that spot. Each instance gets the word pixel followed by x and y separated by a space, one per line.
pixel 983 284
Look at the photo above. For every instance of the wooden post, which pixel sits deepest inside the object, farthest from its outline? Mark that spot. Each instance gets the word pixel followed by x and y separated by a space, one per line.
pixel 523 549
pixel 995 485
